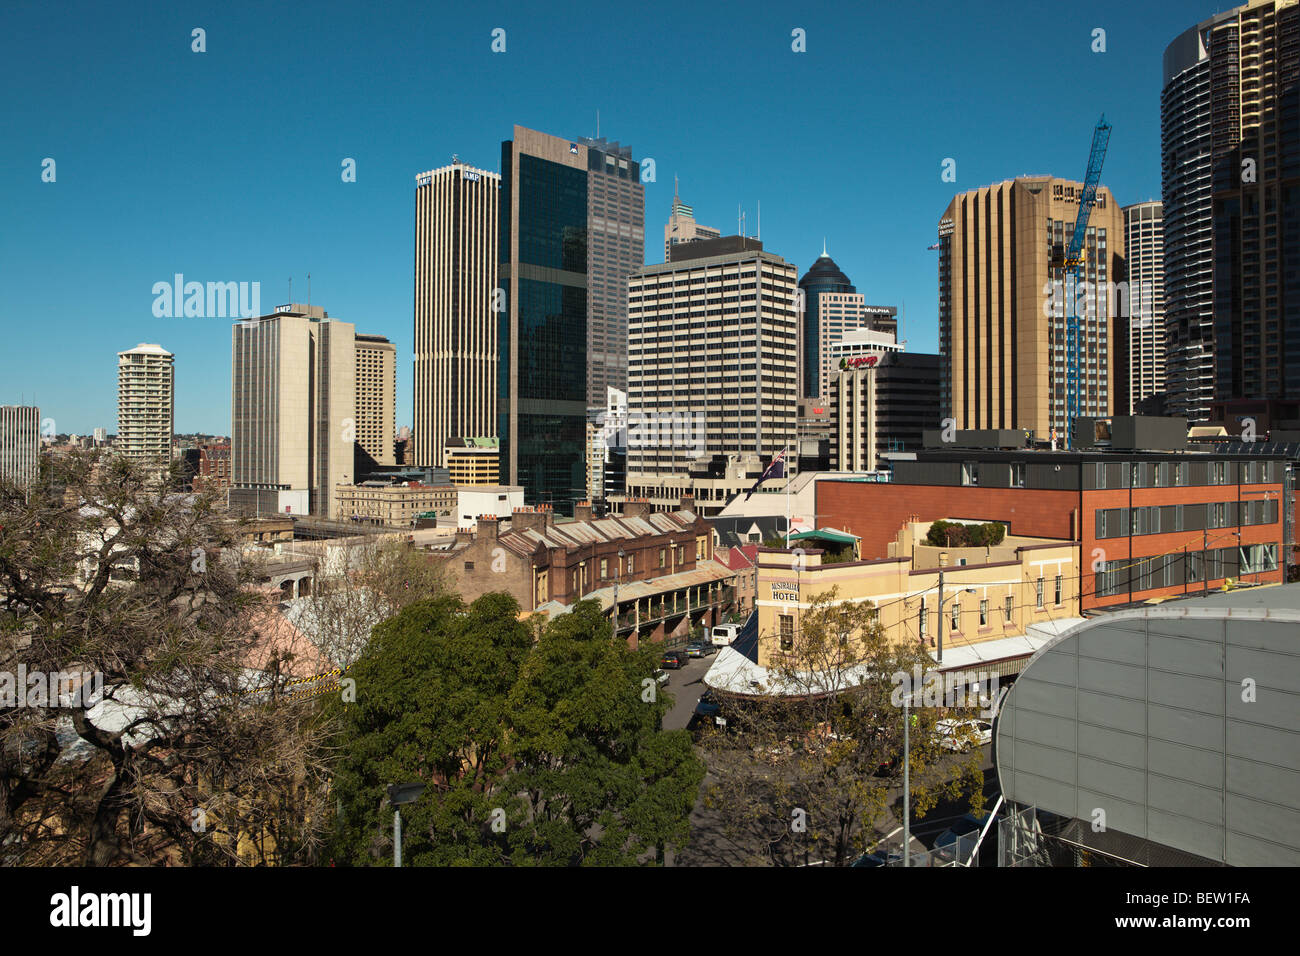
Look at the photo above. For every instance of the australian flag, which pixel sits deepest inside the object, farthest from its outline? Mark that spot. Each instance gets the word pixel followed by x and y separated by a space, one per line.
pixel 774 470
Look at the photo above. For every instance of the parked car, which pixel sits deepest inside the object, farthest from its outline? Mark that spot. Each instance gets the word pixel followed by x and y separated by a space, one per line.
pixel 724 634
pixel 949 842
pixel 879 858
pixel 661 678
pixel 673 659
pixel 699 649
pixel 961 735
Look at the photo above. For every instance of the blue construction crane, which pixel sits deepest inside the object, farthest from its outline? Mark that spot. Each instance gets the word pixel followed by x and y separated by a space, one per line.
pixel 1071 261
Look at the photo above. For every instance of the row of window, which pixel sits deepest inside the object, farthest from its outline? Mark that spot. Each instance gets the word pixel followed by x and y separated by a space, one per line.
pixel 1162 519
pixel 1183 568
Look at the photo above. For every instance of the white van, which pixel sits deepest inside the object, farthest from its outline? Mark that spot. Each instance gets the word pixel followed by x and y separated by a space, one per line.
pixel 724 634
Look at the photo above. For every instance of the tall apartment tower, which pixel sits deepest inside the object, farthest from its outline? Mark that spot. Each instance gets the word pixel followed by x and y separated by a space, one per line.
pixel 1002 310
pixel 292 394
pixel 146 400
pixel 457 317
pixel 682 227
pixel 572 230
pixel 1231 167
pixel 1140 339
pixel 376 376
pixel 20 444
pixel 712 339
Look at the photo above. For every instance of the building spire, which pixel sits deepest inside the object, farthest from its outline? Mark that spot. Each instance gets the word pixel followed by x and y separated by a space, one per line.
pixel 824 255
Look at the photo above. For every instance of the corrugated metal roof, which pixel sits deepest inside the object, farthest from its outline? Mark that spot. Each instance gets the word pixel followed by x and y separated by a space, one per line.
pixel 569 534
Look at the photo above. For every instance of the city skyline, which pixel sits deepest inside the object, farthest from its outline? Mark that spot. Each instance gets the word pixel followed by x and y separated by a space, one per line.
pixel 355 239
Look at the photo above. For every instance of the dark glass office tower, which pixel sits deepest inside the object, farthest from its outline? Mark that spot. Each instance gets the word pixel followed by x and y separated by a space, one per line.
pixel 823 276
pixel 542 382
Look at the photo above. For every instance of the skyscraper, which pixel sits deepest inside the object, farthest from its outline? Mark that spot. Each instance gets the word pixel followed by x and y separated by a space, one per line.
pixel 457 221
pixel 292 411
pixel 831 305
pixel 572 229
pixel 1002 310
pixel 145 405
pixel 376 399
pixel 1230 139
pixel 615 248
pixel 682 227
pixel 712 366
pixel 1140 340
pixel 20 443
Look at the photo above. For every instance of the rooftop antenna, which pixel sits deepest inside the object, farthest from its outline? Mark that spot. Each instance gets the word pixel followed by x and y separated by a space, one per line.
pixel 308 291
pixel 597 124
pixel 760 221
pixel 290 288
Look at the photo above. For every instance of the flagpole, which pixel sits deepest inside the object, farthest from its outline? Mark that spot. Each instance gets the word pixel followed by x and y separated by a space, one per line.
pixel 785 467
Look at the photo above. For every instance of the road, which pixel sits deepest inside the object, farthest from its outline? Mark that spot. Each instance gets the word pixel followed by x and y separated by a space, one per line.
pixel 686 686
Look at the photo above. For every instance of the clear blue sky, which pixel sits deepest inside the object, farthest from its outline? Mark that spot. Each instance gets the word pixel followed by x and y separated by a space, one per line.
pixel 225 165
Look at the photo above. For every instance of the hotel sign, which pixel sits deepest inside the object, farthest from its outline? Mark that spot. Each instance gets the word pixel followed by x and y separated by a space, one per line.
pixel 861 361
pixel 785 591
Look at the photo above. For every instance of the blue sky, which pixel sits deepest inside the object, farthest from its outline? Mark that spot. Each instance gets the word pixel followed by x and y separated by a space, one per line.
pixel 225 165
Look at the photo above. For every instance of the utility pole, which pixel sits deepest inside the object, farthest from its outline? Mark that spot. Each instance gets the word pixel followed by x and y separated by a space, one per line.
pixel 907 780
pixel 940 624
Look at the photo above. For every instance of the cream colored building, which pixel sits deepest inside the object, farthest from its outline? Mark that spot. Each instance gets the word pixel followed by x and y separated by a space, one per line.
pixel 146 404
pixel 1002 329
pixel 998 593
pixel 473 461
pixel 457 210
pixel 293 411
pixel 395 506
pixel 697 387
pixel 376 397
pixel 682 227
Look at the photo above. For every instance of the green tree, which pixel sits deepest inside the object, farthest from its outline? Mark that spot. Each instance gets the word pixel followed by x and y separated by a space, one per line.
pixel 809 774
pixel 532 753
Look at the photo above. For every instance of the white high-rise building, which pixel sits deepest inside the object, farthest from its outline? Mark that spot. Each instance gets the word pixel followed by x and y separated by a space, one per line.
pixel 20 443
pixel 146 400
pixel 1140 335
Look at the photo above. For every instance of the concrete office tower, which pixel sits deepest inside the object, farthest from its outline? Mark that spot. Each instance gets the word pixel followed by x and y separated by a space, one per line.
pixel 682 227
pixel 457 346
pixel 882 408
pixel 376 400
pixel 1001 318
pixel 292 394
pixel 1229 125
pixel 572 228
pixel 1140 341
pixel 146 399
pixel 615 248
pixel 20 444
pixel 712 357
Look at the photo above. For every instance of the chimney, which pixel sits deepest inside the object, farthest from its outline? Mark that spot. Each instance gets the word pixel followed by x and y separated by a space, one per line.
pixel 636 508
pixel 535 517
pixel 687 503
pixel 488 526
pixel 464 536
pixel 582 511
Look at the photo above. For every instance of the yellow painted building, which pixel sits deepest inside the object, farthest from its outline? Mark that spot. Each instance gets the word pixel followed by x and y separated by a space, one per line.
pixel 997 593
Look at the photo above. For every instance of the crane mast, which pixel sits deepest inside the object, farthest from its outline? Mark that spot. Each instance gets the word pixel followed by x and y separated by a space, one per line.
pixel 1072 261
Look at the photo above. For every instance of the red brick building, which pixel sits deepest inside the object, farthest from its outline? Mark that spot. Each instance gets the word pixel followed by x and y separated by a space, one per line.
pixel 1148 524
pixel 214 466
pixel 660 565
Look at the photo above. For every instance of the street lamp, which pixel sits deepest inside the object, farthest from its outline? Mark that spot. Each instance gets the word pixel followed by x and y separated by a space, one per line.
pixel 400 794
